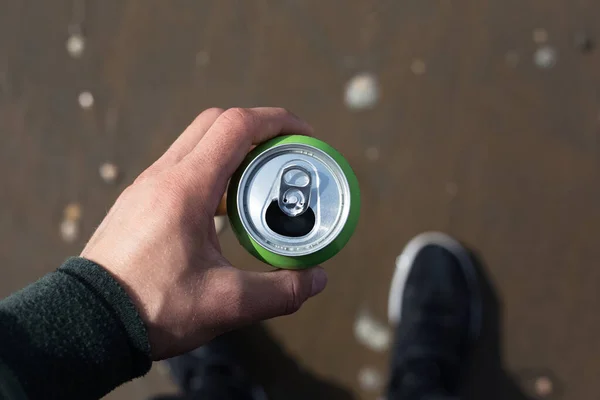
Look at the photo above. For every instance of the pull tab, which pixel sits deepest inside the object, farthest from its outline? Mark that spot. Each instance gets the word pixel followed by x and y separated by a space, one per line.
pixel 294 190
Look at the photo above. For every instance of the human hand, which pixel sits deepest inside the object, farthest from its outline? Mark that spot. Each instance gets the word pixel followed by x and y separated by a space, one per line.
pixel 159 240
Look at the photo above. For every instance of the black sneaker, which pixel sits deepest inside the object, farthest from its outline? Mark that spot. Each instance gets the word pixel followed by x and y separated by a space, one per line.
pixel 434 300
pixel 214 371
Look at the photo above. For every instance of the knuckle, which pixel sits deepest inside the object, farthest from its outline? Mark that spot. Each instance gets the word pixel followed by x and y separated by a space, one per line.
pixel 125 194
pixel 294 292
pixel 238 112
pixel 147 173
pixel 282 112
pixel 240 117
pixel 213 111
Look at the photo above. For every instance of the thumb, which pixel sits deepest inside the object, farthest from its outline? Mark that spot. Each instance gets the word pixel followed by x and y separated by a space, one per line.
pixel 272 294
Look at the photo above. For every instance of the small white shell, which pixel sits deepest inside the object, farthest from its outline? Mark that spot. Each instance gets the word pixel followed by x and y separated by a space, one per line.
pixel 109 172
pixel 362 92
pixel 543 386
pixel 545 57
pixel 371 333
pixel 69 230
pixel 86 100
pixel 75 45
pixel 370 379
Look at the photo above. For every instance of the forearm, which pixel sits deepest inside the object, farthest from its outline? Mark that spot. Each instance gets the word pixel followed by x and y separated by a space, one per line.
pixel 74 334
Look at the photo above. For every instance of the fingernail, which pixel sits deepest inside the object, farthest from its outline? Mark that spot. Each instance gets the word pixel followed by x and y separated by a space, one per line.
pixel 319 281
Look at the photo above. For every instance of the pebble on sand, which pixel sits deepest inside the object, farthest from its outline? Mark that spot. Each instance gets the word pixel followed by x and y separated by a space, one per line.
pixel 372 153
pixel 362 92
pixel 540 36
pixel 75 45
pixel 72 212
pixel 109 172
pixel 69 227
pixel 69 230
pixel 86 100
pixel 371 333
pixel 370 379
pixel 545 57
pixel 543 387
pixel 418 67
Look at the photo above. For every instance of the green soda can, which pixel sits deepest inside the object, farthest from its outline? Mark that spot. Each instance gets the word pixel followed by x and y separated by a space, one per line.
pixel 294 202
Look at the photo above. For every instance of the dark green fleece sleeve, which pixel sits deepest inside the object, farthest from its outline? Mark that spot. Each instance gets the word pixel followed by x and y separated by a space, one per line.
pixel 74 334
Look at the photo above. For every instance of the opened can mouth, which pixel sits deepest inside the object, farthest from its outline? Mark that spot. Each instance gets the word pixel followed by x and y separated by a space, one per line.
pixel 293 199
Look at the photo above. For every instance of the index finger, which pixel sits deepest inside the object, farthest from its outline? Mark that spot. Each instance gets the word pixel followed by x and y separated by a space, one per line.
pixel 227 142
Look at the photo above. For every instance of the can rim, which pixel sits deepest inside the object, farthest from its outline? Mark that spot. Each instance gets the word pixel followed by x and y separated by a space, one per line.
pixel 271 244
pixel 303 261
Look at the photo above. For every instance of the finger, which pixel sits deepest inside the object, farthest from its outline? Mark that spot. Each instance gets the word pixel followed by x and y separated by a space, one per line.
pixel 190 137
pixel 229 139
pixel 272 294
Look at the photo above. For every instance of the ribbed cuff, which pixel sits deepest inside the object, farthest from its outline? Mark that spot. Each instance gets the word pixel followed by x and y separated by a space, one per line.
pixel 74 334
pixel 103 285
